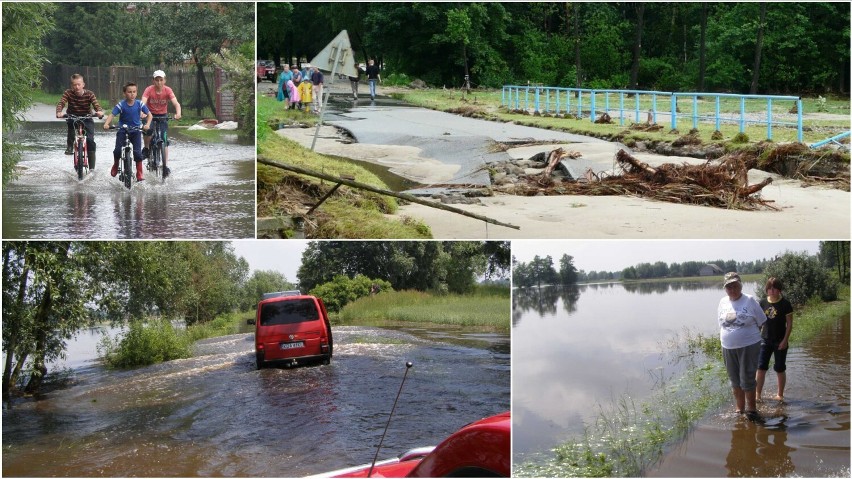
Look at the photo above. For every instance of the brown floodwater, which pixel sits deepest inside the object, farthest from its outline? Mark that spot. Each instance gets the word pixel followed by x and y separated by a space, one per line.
pixel 215 415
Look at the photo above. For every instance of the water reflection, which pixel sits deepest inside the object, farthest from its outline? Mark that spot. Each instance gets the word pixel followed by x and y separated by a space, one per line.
pixel 757 451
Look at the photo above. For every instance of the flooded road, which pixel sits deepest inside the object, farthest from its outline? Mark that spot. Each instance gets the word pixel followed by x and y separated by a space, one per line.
pixel 610 340
pixel 216 415
pixel 210 193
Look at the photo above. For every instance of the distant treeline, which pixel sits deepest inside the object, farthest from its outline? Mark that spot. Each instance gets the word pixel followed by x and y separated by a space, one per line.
pixel 833 255
pixel 757 47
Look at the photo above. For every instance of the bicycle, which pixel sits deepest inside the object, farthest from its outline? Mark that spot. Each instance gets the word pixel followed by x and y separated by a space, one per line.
pixel 81 148
pixel 157 148
pixel 125 163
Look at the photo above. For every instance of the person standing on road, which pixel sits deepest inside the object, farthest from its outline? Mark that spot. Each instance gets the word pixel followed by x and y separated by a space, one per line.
pixel 373 76
pixel 317 79
pixel 776 336
pixel 740 318
pixel 80 102
pixel 353 81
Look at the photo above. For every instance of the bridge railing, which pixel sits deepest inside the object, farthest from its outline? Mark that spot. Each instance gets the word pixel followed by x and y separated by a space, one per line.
pixel 631 105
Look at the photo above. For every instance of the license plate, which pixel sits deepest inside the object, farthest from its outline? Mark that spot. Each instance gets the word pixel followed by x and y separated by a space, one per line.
pixel 295 345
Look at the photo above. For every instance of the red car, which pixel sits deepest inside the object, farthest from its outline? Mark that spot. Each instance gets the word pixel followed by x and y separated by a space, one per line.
pixel 480 449
pixel 291 330
pixel 265 70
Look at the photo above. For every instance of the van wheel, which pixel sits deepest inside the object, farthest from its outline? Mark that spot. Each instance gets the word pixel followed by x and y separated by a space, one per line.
pixel 259 359
pixel 327 360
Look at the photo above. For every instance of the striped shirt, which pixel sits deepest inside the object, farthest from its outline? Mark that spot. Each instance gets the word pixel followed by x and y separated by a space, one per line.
pixel 78 105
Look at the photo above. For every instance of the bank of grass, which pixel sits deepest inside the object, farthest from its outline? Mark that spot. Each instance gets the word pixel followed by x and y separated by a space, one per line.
pixel 486 104
pixel 350 213
pixel 626 437
pixel 486 310
pixel 158 340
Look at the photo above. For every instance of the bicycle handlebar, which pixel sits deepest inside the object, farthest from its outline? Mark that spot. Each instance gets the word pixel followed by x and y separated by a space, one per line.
pixel 76 117
pixel 125 127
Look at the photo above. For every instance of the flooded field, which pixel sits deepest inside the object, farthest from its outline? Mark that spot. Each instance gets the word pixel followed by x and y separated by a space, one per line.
pixel 216 415
pixel 210 193
pixel 583 349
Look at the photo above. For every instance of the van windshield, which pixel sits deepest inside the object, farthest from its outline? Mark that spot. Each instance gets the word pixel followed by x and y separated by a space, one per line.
pixel 288 312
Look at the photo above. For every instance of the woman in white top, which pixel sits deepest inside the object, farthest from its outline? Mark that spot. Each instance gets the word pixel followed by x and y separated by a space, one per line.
pixel 740 318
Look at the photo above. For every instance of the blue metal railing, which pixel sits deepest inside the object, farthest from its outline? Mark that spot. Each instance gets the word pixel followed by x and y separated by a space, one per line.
pixel 833 139
pixel 558 100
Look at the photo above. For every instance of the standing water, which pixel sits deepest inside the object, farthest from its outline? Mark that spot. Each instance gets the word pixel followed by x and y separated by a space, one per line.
pixel 216 415
pixel 209 194
pixel 577 350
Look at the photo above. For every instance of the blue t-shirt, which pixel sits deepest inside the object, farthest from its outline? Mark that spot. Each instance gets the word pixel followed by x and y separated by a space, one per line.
pixel 130 115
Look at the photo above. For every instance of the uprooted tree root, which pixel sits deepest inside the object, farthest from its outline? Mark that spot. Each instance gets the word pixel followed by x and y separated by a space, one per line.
pixel 722 185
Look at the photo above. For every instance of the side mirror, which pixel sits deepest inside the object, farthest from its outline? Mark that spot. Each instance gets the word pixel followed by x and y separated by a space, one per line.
pixel 251 321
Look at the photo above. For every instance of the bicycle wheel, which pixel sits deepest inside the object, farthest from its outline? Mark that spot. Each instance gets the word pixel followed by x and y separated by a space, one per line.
pixel 128 172
pixel 157 156
pixel 78 160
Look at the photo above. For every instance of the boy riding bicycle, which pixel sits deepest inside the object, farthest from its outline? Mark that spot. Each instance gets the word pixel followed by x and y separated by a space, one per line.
pixel 81 102
pixel 129 113
pixel 157 97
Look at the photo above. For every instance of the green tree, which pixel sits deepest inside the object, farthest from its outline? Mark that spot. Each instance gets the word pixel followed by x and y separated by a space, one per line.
pixel 241 82
pixel 567 270
pixel 803 277
pixel 342 290
pixel 46 290
pixel 96 34
pixel 262 282
pixel 198 32
pixel 24 27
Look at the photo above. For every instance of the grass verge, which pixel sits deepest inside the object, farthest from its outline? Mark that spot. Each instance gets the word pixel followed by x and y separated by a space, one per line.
pixel 350 213
pixel 627 437
pixel 486 310
pixel 486 104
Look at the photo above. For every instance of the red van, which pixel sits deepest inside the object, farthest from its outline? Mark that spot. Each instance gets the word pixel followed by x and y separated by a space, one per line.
pixel 292 330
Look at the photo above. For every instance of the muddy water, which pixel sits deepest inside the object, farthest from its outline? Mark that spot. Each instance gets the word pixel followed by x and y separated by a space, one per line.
pixel 577 349
pixel 216 415
pixel 210 193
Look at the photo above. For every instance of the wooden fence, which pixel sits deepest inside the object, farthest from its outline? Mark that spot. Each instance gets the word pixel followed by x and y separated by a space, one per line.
pixel 107 83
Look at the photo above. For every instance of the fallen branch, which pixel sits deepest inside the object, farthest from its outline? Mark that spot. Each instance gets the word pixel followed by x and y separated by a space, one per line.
pixel 363 186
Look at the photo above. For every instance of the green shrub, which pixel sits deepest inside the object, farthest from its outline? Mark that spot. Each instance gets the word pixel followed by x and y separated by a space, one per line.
pixel 803 278
pixel 342 290
pixel 144 344
pixel 397 79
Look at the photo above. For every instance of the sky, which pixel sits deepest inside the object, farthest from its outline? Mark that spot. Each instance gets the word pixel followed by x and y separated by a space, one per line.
pixel 615 255
pixel 284 256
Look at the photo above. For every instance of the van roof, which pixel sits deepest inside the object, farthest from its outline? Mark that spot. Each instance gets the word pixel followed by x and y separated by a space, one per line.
pixel 278 294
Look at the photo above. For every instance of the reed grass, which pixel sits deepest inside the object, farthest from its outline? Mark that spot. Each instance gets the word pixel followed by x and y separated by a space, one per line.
pixel 486 310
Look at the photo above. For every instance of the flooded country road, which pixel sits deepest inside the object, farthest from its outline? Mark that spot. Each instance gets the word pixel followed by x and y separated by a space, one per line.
pixel 216 415
pixel 806 436
pixel 210 193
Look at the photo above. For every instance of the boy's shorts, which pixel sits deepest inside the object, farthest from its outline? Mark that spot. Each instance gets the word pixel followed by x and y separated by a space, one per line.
pixel 767 348
pixel 164 128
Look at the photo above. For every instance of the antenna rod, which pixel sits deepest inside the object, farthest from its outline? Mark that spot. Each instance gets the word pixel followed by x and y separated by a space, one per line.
pixel 407 367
